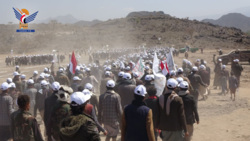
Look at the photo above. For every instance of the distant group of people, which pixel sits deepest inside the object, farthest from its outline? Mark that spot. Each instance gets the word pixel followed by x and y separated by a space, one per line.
pixel 225 80
pixel 110 98
pixel 32 59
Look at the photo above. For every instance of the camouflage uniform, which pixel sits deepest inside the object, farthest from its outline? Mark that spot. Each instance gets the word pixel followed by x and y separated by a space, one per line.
pixel 24 127
pixel 60 111
pixel 79 128
pixel 63 79
pixel 31 92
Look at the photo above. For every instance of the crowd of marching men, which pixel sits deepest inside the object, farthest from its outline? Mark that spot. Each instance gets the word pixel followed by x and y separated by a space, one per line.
pixel 38 59
pixel 119 95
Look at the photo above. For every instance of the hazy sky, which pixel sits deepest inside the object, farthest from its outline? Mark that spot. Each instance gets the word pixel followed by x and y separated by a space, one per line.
pixel 109 9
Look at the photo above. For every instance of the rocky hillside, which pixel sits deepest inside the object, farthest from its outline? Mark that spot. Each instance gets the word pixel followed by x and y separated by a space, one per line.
pixel 138 28
pixel 87 23
pixel 236 20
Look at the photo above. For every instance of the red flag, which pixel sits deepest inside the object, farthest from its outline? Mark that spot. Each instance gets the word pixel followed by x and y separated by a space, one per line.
pixel 166 64
pixel 164 69
pixel 162 66
pixel 73 63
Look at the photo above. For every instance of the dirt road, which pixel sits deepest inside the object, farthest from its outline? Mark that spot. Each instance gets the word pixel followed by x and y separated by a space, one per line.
pixel 221 119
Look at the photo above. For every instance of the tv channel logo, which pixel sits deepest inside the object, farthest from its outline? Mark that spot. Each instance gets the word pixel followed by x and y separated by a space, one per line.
pixel 24 18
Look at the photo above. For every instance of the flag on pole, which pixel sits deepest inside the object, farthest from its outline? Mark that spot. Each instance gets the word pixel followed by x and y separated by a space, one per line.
pixel 155 64
pixel 164 68
pixel 122 66
pixel 166 65
pixel 160 80
pixel 73 63
pixel 170 61
pixel 139 67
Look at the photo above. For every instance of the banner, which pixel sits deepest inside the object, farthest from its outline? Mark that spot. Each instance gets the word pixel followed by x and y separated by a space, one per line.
pixel 139 67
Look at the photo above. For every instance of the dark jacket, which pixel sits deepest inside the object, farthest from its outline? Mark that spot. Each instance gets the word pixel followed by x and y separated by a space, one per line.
pixel 151 102
pixel 148 85
pixel 41 95
pixel 190 108
pixel 137 123
pixel 138 82
pixel 175 121
pixel 237 69
pixel 205 77
pixel 126 92
pixel 79 128
pixel 49 105
pixel 24 127
pixel 196 81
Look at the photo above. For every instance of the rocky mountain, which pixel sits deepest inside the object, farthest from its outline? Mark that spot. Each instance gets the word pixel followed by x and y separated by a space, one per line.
pixel 67 19
pixel 87 23
pixel 143 14
pixel 236 20
pixel 243 10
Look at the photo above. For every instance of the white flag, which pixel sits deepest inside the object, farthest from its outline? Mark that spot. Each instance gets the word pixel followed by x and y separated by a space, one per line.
pixel 122 66
pixel 139 67
pixel 160 83
pixel 160 79
pixel 170 61
pixel 155 64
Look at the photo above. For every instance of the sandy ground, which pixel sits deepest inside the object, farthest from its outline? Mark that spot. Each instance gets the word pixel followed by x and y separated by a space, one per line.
pixel 221 119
